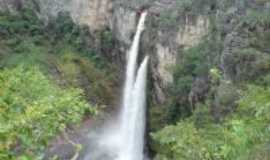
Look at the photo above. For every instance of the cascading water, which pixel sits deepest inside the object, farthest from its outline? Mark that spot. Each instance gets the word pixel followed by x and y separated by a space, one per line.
pixel 125 140
pixel 133 113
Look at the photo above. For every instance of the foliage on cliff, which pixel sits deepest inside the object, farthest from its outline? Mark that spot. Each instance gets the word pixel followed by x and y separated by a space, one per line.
pixel 49 73
pixel 33 110
pixel 218 105
pixel 242 136
pixel 67 52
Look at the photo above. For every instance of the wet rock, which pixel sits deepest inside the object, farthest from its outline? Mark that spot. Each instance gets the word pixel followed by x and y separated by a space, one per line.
pixel 65 146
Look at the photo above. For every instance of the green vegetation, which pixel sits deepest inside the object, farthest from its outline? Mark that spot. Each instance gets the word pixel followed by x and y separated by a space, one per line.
pixel 49 75
pixel 193 62
pixel 170 17
pixel 33 110
pixel 25 32
pixel 243 136
pixel 255 17
pixel 62 49
pixel 218 106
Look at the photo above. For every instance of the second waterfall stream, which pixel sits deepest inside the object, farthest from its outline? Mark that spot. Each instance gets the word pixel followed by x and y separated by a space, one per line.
pixel 132 122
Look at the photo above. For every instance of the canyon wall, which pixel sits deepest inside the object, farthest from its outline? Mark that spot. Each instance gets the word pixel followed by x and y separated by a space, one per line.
pixel 161 43
pixel 172 27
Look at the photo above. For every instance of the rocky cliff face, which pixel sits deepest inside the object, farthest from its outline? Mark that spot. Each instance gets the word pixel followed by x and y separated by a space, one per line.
pixel 170 28
pixel 94 13
pixel 160 41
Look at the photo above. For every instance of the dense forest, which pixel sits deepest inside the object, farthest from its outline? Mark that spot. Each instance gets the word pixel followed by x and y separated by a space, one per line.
pixel 57 74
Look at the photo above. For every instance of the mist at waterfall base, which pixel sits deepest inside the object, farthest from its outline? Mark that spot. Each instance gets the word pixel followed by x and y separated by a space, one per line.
pixel 123 139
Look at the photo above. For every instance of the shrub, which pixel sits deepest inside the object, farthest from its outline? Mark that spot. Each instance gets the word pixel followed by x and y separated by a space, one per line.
pixel 225 100
pixel 192 63
pixel 244 135
pixel 256 17
pixel 80 72
pixel 177 143
pixel 247 64
pixel 24 23
pixel 33 110
pixel 64 50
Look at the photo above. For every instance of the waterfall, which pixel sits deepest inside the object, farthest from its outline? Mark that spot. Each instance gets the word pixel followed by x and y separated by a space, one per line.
pixel 132 61
pixel 125 140
pixel 133 107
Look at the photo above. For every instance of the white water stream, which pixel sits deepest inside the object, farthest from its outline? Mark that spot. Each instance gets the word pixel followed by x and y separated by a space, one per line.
pixel 125 140
pixel 133 109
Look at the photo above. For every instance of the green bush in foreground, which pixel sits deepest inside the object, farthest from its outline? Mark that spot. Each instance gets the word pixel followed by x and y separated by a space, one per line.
pixel 33 110
pixel 243 136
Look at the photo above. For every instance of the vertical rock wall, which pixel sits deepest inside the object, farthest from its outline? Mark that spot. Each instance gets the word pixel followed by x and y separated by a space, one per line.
pixel 162 43
pixel 94 13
